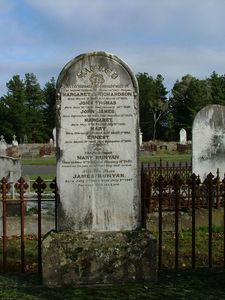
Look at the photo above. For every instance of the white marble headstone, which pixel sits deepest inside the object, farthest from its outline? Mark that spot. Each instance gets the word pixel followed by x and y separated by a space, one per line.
pixel 140 137
pixel 183 136
pixel 97 145
pixel 3 146
pixel 208 141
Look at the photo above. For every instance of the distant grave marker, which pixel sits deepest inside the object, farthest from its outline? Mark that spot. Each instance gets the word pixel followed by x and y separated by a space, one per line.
pixel 3 146
pixel 183 136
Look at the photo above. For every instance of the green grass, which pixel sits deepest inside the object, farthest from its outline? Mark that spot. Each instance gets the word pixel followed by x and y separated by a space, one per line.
pixel 147 158
pixel 201 284
pixel 186 285
pixel 165 156
pixel 39 161
pixel 185 244
pixel 49 176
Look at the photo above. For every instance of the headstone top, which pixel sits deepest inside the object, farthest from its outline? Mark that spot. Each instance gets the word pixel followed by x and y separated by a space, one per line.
pixel 208 141
pixel 3 146
pixel 97 144
pixel 14 142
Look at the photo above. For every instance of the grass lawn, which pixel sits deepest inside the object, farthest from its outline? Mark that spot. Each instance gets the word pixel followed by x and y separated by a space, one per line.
pixel 170 157
pixel 40 161
pixel 165 156
pixel 198 285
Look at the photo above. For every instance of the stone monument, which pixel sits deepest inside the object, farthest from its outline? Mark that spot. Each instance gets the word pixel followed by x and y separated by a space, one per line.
pixel 140 137
pixel 14 141
pixel 3 146
pixel 208 141
pixel 100 239
pixel 183 136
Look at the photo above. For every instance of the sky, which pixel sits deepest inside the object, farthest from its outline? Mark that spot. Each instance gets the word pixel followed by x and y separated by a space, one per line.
pixel 168 37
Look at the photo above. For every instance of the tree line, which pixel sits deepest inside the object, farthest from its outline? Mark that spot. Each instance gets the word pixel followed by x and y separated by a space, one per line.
pixel 162 115
pixel 29 110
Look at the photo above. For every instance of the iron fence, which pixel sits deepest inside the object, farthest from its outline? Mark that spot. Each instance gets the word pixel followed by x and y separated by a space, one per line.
pixel 24 199
pixel 176 192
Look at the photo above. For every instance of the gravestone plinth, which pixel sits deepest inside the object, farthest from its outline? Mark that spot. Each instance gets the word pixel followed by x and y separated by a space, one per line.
pixel 99 258
pixel 98 176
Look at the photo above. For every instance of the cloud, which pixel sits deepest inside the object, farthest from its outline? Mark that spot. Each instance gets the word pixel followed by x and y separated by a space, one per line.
pixel 169 37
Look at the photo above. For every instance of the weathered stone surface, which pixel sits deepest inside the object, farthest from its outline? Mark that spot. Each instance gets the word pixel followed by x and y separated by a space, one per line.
pixel 98 142
pixel 10 168
pixel 75 258
pixel 208 141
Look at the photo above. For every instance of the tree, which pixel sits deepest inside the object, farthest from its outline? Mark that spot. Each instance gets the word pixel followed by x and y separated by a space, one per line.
pixel 189 95
pixel 49 108
pixel 153 103
pixel 34 98
pixel 216 86
pixel 13 109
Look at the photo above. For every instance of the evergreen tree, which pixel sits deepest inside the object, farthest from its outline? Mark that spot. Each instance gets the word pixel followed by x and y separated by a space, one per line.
pixel 13 109
pixel 153 103
pixel 34 98
pixel 49 107
pixel 188 96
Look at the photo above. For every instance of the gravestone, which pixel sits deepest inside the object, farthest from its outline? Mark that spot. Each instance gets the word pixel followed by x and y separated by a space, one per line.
pixel 54 136
pixel 98 177
pixel 140 137
pixel 98 134
pixel 14 142
pixel 183 136
pixel 208 141
pixel 3 146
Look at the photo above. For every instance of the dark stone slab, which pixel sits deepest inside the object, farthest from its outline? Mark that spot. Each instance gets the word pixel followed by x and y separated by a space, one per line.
pixel 79 258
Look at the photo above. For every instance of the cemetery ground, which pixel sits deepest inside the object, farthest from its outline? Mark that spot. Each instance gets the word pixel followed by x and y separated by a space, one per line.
pixel 184 285
pixel 202 283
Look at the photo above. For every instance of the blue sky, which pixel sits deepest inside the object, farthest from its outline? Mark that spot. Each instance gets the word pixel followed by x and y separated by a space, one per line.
pixel 168 37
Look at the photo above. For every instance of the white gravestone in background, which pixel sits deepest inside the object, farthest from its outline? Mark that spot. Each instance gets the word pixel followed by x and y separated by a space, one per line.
pixel 140 137
pixel 97 145
pixel 3 146
pixel 208 141
pixel 183 136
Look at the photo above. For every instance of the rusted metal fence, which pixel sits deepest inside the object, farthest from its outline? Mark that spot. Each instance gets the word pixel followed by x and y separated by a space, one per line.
pixel 175 189
pixel 22 198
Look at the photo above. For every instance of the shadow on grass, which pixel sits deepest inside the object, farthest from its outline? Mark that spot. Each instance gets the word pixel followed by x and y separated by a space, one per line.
pixel 202 284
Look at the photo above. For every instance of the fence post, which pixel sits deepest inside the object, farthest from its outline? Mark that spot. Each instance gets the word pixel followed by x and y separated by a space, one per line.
pixel 223 193
pixel 176 183
pixel 209 184
pixel 4 188
pixel 22 186
pixel 160 185
pixel 53 187
pixel 193 182
pixel 39 187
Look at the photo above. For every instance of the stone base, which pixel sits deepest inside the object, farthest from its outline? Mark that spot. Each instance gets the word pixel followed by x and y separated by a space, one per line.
pixel 77 258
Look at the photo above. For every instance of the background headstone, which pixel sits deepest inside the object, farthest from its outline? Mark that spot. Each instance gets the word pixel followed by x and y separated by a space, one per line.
pixel 3 146
pixel 183 136
pixel 98 137
pixel 14 142
pixel 54 136
pixel 208 141
pixel 140 137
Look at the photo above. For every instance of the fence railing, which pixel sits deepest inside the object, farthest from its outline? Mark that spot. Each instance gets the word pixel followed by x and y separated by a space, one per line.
pixel 23 200
pixel 164 188
pixel 179 191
